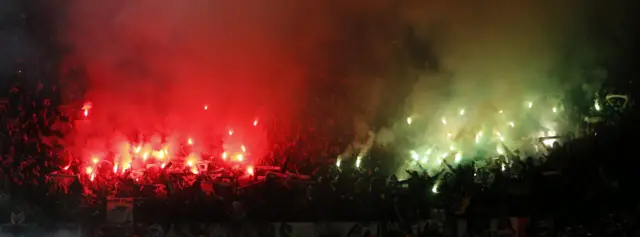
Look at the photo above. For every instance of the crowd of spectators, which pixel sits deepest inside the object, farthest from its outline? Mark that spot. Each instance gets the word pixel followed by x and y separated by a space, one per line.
pixel 577 183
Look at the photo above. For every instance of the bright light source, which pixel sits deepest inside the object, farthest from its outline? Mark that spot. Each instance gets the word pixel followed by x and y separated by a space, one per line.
pixel 414 155
pixel 86 107
pixel 250 170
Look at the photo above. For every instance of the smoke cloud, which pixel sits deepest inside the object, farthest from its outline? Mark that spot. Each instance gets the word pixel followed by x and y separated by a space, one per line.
pixel 147 59
pixel 154 62
pixel 197 68
pixel 494 50
pixel 492 56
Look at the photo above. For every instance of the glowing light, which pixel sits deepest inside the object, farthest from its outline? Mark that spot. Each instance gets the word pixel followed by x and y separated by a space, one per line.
pixel 500 111
pixel 95 160
pixel 115 168
pixel 444 121
pixel 596 105
pixel 409 120
pixel 159 154
pixel 500 136
pixel 503 167
pixel 255 122
pixel 250 170
pixel 86 107
pixel 145 156
pixel 530 104
pixel 190 141
pixel 435 188
pixel 224 155
pixel 512 124
pixel 358 161
pixel 458 157
pixel 478 136
pixel 338 161
pixel 194 171
pixel 66 167
pixel 93 176
pixel 444 155
pixel 429 152
pixel 243 148
pixel 239 157
pixel 414 155
pixel 500 150
pixel 230 132
pixel 549 142
pixel 451 148
pixel 88 170
pixel 555 110
pixel 461 112
pixel 189 163
pixel 163 165
pixel 137 149
pixel 449 135
pixel 206 107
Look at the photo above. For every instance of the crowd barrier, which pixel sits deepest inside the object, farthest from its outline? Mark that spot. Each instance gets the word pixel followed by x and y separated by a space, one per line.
pixel 515 227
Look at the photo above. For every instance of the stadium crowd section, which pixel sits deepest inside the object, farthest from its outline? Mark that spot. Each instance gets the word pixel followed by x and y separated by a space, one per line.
pixel 588 182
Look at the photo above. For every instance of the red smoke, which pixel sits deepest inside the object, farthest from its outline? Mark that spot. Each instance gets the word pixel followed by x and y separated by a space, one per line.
pixel 147 61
